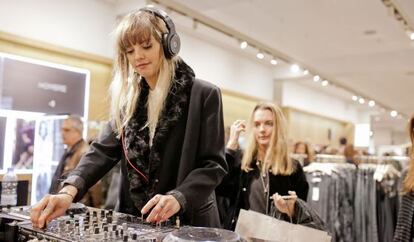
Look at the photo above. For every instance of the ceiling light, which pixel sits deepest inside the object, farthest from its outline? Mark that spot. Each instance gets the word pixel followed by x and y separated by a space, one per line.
pixel 361 100
pixel 294 68
pixel 149 6
pixel 305 72
pixel 325 83
pixel 260 55
pixel 273 61
pixel 316 78
pixel 371 103
pixel 371 133
pixel 393 113
pixel 243 45
pixel 412 36
pixel 354 98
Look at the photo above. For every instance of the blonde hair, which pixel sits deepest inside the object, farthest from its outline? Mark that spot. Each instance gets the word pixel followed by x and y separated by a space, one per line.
pixel 408 184
pixel 136 28
pixel 276 157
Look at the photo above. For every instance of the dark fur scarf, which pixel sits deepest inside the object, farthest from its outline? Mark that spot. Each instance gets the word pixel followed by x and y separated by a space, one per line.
pixel 145 158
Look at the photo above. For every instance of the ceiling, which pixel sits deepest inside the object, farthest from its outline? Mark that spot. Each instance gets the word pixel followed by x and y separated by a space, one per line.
pixel 356 44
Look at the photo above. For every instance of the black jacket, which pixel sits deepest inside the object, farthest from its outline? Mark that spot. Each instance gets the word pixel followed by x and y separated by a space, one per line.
pixel 236 187
pixel 190 153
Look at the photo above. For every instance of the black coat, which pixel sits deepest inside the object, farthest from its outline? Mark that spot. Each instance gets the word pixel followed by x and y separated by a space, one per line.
pixel 237 183
pixel 192 159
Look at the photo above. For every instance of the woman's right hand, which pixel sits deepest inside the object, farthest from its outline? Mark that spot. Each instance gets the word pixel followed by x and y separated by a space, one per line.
pixel 50 207
pixel 236 128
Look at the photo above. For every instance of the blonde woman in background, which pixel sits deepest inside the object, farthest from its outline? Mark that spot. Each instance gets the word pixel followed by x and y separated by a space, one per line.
pixel 265 178
pixel 304 148
pixel 166 130
pixel 404 229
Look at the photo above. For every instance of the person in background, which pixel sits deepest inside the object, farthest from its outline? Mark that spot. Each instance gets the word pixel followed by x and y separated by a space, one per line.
pixel 404 230
pixel 166 128
pixel 342 145
pixel 350 154
pixel 76 147
pixel 265 179
pixel 304 149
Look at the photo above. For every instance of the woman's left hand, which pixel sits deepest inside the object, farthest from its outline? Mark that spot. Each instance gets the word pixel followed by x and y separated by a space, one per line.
pixel 162 208
pixel 285 204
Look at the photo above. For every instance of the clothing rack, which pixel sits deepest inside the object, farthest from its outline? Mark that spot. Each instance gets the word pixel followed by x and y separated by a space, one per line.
pixel 341 191
pixel 324 158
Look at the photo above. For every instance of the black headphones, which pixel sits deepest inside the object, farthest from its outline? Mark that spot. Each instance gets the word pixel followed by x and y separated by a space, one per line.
pixel 170 41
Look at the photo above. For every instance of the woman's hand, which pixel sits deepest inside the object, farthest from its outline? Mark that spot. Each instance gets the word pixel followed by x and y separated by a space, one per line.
pixel 50 207
pixel 236 128
pixel 162 208
pixel 285 204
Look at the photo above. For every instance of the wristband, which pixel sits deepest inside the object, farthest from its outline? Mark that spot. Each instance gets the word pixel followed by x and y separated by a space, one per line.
pixel 67 193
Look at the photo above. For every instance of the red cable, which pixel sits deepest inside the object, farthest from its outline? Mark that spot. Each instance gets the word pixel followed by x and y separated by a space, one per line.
pixel 126 156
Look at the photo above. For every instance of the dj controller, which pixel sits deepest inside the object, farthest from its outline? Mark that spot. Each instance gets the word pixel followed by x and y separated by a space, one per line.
pixel 83 223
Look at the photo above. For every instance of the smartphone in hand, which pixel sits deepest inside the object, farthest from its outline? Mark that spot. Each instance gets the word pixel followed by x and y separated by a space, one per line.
pixel 288 197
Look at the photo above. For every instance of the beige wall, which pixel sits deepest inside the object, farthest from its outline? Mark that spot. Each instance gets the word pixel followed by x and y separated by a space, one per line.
pixel 304 126
pixel 237 106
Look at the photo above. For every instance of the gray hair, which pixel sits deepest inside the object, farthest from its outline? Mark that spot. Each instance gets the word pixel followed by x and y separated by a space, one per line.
pixel 77 122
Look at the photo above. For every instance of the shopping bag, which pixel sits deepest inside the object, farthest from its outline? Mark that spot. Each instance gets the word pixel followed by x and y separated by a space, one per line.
pixel 256 226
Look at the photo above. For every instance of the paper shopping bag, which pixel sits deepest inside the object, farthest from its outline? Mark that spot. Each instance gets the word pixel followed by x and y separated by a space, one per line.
pixel 256 226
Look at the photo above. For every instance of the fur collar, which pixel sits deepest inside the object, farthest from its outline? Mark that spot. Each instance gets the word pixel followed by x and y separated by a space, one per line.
pixel 145 158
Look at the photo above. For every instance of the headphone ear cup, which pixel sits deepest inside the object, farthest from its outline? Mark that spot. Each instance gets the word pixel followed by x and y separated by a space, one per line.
pixel 171 45
pixel 165 46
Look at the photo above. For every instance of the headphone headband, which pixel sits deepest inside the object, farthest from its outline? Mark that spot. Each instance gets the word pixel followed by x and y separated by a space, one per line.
pixel 170 41
pixel 162 15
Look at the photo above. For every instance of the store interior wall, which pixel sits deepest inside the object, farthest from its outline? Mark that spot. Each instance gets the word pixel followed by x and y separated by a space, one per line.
pixel 316 129
pixel 100 68
pixel 86 26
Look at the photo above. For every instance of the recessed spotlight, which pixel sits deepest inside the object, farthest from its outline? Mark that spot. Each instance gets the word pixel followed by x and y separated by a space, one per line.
pixel 412 36
pixel 361 100
pixel 260 55
pixel 316 78
pixel 393 113
pixel 294 68
pixel 305 72
pixel 324 83
pixel 243 45
pixel 354 98
pixel 371 133
pixel 273 62
pixel 371 103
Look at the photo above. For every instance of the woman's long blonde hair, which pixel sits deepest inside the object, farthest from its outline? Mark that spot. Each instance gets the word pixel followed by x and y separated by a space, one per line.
pixel 136 28
pixel 276 157
pixel 408 185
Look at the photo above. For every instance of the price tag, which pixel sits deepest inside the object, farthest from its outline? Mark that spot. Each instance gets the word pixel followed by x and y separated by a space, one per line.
pixel 315 194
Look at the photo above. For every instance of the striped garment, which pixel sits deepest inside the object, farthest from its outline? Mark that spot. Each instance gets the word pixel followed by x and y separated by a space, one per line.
pixel 405 219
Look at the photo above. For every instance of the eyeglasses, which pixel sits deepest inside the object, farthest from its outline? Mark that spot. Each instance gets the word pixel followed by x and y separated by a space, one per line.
pixel 66 129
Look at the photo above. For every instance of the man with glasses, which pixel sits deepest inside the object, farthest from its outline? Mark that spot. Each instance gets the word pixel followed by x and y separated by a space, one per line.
pixel 76 146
